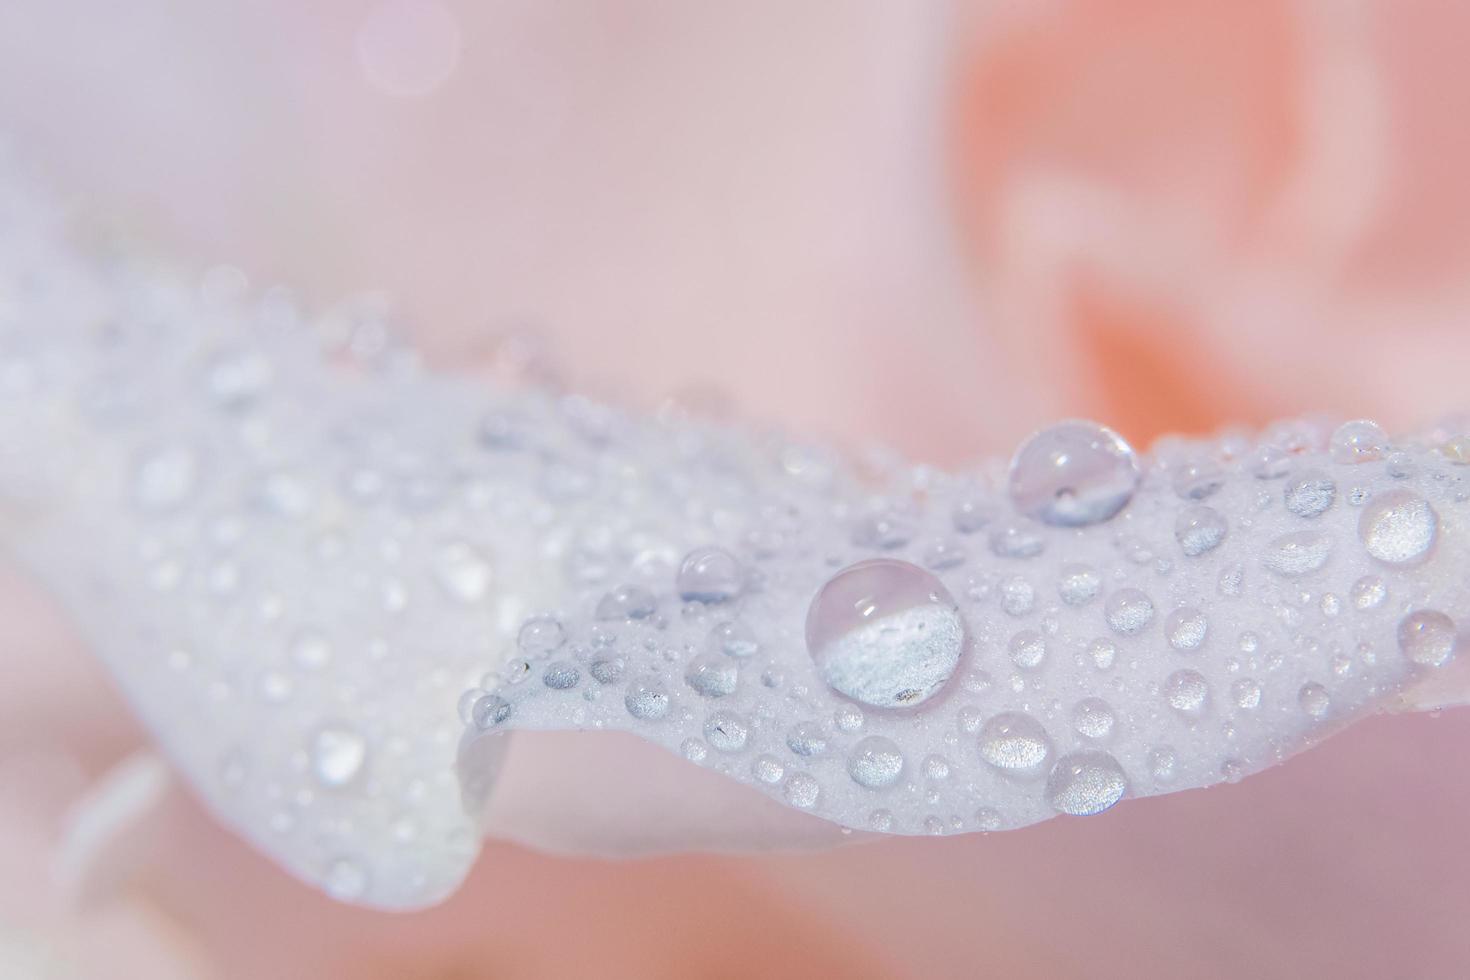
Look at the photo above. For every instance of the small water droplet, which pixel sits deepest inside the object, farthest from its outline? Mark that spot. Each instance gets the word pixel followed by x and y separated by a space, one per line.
pixel 1073 474
pixel 881 821
pixel 1398 528
pixel 165 479
pixel 346 880
pixel 1297 553
pixel 1079 584
pixel 885 633
pixel 1027 649
pixel 806 739
pixel 1104 653
pixel 1163 761
pixel 647 700
pixel 311 650
pixel 726 731
pixel 1246 693
pixel 801 790
pixel 1369 592
pixel 1128 611
pixel 1200 529
pixel 710 575
pixel 1014 743
pixel 627 602
pixel 462 572
pixel 1360 441
pixel 1187 628
pixel 1198 479
pixel 338 755
pixel 883 531
pixel 1187 692
pixel 1270 463
pixel 540 636
pixel 936 767
pixel 1016 539
pixel 1428 637
pixel 712 675
pixel 875 762
pixel 1310 494
pixel 490 711
pixel 1017 596
pixel 561 676
pixel 1313 699
pixel 1093 718
pixel 1085 782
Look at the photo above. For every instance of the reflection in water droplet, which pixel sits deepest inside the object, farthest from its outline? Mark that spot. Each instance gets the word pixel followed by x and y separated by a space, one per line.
pixel 1014 743
pixel 1073 474
pixel 1398 528
pixel 1085 782
pixel 875 762
pixel 1427 637
pixel 885 633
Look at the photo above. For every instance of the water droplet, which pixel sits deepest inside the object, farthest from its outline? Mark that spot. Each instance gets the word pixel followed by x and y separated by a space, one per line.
pixel 540 636
pixel 885 633
pixel 1017 596
pixel 346 880
pixel 801 790
pixel 561 676
pixel 1310 494
pixel 627 602
pixel 337 756
pixel 1297 553
pixel 1232 581
pixel 490 711
pixel 165 479
pixel 1093 717
pixel 1198 479
pixel 806 739
pixel 1313 699
pixel 647 700
pixel 1027 649
pixel 1016 539
pixel 1079 584
pixel 1187 628
pixel 943 554
pixel 1085 782
pixel 1398 528
pixel 1369 592
pixel 972 513
pixel 712 675
pixel 733 640
pixel 1246 693
pixel 1270 463
pixel 311 650
pixel 726 731
pixel 710 575
pixel 462 572
pixel 1360 441
pixel 875 762
pixel 1128 611
pixel 883 531
pixel 1199 530
pixel 694 750
pixel 848 718
pixel 936 767
pixel 1187 692
pixel 1073 474
pixel 881 821
pixel 606 671
pixel 1104 653
pixel 1162 763
pixel 1015 744
pixel 1427 637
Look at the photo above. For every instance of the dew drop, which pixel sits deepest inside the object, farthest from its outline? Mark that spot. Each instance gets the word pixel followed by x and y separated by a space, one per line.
pixel 1014 743
pixel 561 676
pixel 709 575
pixel 1270 463
pixel 885 633
pixel 1198 479
pixel 1017 596
pixel 540 636
pixel 1128 611
pixel 875 762
pixel 1427 637
pixel 801 790
pixel 1199 530
pixel 1085 782
pixel 1398 528
pixel 1073 474
pixel 936 767
pixel 647 700
pixel 627 602
pixel 490 711
pixel 883 532
pixel 1093 718
pixel 1360 441
pixel 712 675
pixel 1187 628
pixel 1016 539
pixel 1187 692
pixel 733 640
pixel 1027 649
pixel 1310 494
pixel 1104 653
pixel 338 755
pixel 1313 699
pixel 1246 693
pixel 1297 553
pixel 1368 592
pixel 807 740
pixel 1079 584
pixel 726 731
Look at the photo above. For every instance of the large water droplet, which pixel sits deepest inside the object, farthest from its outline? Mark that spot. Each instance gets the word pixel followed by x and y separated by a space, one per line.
pixel 709 575
pixel 885 633
pixel 1085 782
pixel 875 762
pixel 1015 744
pixel 1129 611
pixel 337 756
pixel 1073 474
pixel 1428 637
pixel 1398 528
pixel 1200 529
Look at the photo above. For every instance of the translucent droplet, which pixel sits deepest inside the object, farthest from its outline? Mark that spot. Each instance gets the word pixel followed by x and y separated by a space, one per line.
pixel 1187 692
pixel 1313 699
pixel 165 479
pixel 627 602
pixel 875 762
pixel 561 676
pixel 1027 649
pixel 1079 584
pixel 1017 596
pixel 1297 553
pixel 885 633
pixel 1128 611
pixel 726 731
pixel 311 650
pixel 1270 463
pixel 936 767
pixel 1163 762
pixel 1104 653
pixel 647 700
pixel 606 671
pixel 694 750
pixel 1016 539
pixel 1246 693
pixel 848 718
pixel 943 554
pixel 883 532
pixel 972 513
pixel 1186 628
pixel 1398 528
pixel 807 739
pixel 1198 479
pixel 881 821
pixel 801 790
pixel 338 755
pixel 733 640
pixel 540 636
pixel 1428 637
pixel 1200 529
pixel 462 572
pixel 1015 743
pixel 1085 782
pixel 710 575
pixel 1093 718
pixel 346 880
pixel 1073 474
pixel 1360 441
pixel 1310 494
pixel 1369 592
pixel 712 675
pixel 490 711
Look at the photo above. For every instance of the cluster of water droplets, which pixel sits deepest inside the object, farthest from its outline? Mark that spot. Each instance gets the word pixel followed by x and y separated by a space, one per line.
pixel 324 574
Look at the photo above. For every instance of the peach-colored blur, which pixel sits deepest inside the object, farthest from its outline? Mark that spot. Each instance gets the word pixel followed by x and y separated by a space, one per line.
pixel 928 224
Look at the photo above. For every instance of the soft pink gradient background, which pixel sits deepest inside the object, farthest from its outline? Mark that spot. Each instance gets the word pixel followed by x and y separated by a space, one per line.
pixel 931 225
